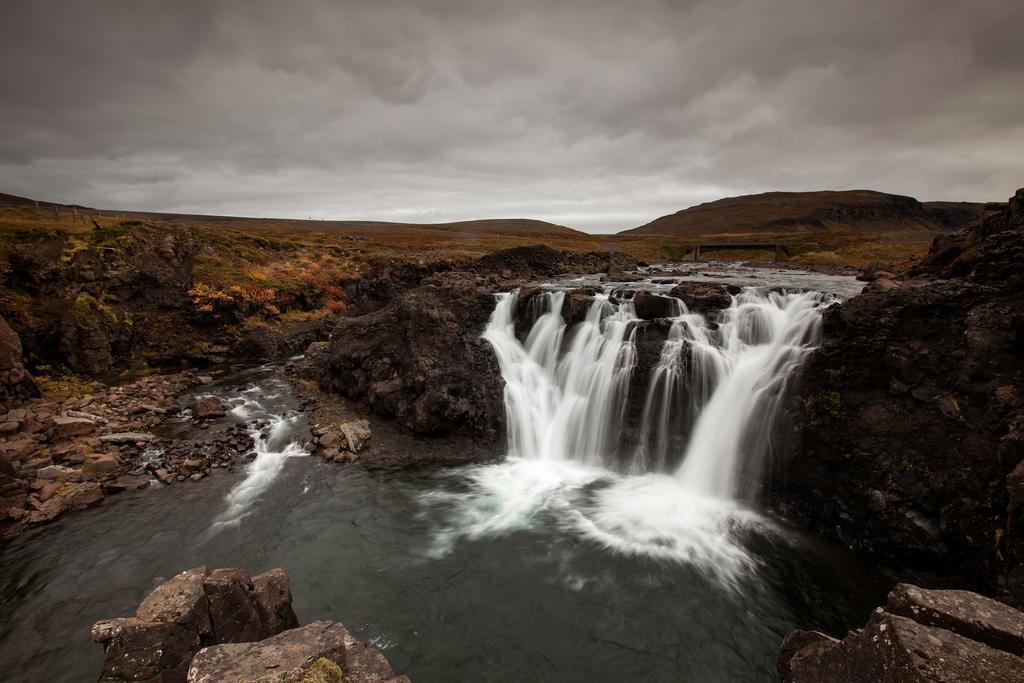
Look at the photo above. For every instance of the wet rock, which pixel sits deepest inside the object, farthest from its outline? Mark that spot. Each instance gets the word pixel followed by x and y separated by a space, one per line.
pixel 207 407
pixel 701 297
pixel 85 494
pixel 651 306
pixel 289 656
pixel 944 636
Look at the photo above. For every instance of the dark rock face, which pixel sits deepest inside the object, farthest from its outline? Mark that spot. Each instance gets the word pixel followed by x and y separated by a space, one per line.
pixel 913 416
pixel 193 609
pixel 920 635
pixel 16 384
pixel 323 647
pixel 420 359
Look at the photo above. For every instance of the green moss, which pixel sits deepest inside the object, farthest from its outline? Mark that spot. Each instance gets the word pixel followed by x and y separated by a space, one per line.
pixel 826 405
pixel 323 671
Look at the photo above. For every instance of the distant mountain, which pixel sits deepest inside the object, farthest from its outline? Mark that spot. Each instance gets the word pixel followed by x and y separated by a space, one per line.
pixel 802 212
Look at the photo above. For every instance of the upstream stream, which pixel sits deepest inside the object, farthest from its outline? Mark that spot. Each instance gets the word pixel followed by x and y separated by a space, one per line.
pixel 568 560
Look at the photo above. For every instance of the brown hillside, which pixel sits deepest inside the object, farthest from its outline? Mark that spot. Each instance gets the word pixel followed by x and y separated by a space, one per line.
pixel 796 212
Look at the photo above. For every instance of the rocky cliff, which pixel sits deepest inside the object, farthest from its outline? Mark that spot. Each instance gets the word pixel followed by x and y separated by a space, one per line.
pixel 912 414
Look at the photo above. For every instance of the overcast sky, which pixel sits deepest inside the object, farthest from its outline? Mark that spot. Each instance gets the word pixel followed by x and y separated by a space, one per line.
pixel 600 115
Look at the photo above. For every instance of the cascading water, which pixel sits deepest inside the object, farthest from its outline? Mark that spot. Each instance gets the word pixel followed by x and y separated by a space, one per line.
pixel 711 399
pixel 565 404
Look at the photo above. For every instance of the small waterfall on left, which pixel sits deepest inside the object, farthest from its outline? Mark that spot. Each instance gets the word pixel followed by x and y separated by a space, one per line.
pixel 565 404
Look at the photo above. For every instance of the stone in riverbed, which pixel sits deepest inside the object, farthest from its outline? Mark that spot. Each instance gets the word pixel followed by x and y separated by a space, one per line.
pixel 103 463
pixel 291 655
pixel 127 437
pixel 65 427
pixel 125 482
pixel 206 407
pixel 357 433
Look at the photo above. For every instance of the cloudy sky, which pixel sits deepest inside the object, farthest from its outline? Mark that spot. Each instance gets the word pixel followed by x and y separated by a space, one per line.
pixel 598 114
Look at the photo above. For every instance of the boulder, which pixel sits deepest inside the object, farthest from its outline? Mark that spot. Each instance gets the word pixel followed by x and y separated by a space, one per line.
pixel 290 656
pixel 272 596
pixel 207 407
pixel 103 463
pixel 969 614
pixel 651 306
pixel 939 636
pixel 701 297
pixel 357 433
pixel 65 427
pixel 194 608
pixel 85 494
pixel 180 600
pixel 53 472
pixel 139 650
pixel 232 611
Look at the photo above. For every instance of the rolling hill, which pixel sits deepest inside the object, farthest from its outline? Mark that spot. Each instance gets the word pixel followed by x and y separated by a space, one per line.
pixel 796 212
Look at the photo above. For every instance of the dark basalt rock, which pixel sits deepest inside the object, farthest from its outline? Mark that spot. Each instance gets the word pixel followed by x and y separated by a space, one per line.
pixel 420 359
pixel 912 416
pixel 920 635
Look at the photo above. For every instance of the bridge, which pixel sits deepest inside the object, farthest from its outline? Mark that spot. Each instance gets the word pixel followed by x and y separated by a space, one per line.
pixel 781 252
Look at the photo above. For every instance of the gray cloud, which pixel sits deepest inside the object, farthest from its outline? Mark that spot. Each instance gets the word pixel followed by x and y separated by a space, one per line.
pixel 596 114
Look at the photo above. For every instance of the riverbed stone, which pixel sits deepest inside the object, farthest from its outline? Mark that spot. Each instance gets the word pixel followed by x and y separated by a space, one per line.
pixel 207 407
pixel 127 437
pixel 102 463
pixel 126 482
pixel 357 433
pixel 65 427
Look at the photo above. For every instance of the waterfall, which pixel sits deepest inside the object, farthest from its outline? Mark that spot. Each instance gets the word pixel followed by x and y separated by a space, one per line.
pixel 711 400
pixel 565 403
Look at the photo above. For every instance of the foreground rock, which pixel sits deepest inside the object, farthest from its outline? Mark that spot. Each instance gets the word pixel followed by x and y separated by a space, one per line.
pixel 920 635
pixel 243 629
pixel 322 651
pixel 912 447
